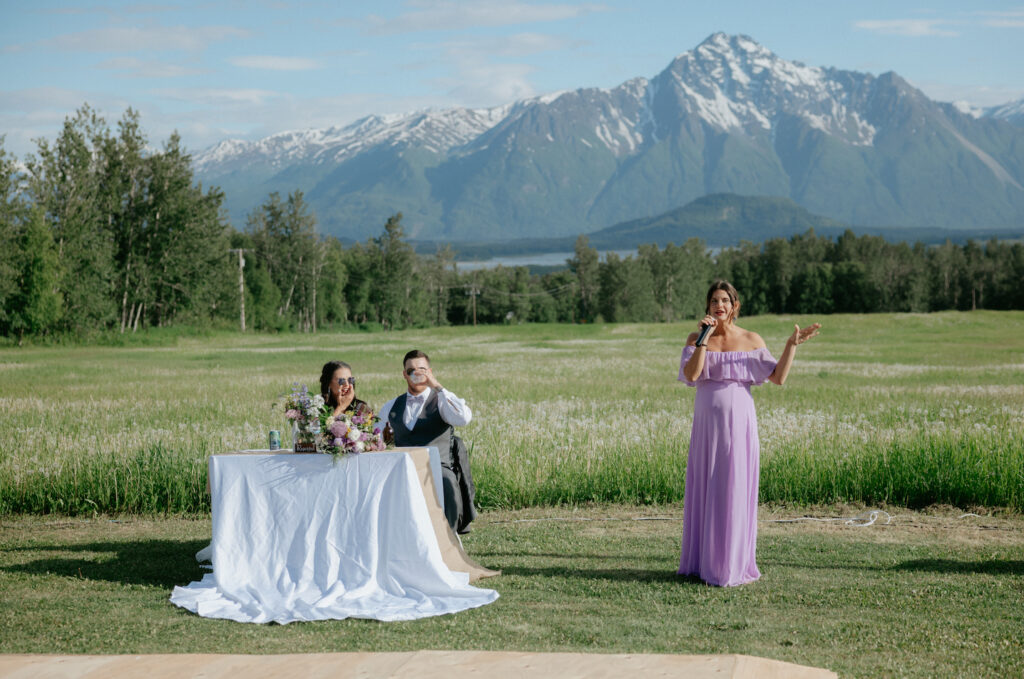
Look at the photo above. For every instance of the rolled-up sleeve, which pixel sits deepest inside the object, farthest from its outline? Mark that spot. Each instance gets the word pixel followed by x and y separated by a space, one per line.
pixel 453 409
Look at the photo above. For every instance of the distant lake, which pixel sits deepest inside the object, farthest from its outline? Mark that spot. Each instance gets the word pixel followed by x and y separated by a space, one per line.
pixel 542 259
pixel 539 259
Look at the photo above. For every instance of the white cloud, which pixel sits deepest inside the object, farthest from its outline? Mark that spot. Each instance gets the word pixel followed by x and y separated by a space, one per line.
pixel 518 45
pixel 36 99
pixel 477 80
pixel 1004 19
pixel 217 96
pixel 448 15
pixel 274 63
pixel 907 27
pixel 139 68
pixel 482 84
pixel 1005 23
pixel 976 95
pixel 30 114
pixel 149 39
pixel 112 10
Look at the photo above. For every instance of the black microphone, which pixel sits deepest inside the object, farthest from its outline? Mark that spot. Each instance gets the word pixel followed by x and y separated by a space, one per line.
pixel 705 330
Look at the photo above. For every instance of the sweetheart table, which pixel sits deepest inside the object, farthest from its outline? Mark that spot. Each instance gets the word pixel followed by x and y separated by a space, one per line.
pixel 308 537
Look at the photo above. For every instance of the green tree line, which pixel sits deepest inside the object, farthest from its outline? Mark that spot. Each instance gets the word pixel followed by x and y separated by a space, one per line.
pixel 102 233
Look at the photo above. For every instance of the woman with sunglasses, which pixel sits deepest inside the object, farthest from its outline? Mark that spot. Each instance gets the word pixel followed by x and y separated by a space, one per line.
pixel 338 387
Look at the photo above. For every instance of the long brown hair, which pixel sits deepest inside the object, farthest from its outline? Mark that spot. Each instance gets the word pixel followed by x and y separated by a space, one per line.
pixel 325 380
pixel 734 297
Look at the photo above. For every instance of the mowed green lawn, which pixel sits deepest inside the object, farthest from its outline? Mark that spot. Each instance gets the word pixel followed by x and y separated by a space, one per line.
pixel 933 594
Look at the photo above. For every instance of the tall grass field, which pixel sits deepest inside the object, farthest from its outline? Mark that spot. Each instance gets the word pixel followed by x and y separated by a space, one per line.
pixel 898 409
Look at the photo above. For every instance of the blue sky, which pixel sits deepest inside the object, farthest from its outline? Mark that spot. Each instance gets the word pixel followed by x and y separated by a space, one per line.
pixel 214 70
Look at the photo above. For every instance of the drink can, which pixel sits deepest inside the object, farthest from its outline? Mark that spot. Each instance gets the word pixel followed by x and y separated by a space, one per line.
pixel 275 439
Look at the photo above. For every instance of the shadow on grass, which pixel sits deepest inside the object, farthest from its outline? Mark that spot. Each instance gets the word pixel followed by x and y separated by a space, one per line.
pixel 989 567
pixel 159 563
pixel 485 553
pixel 631 575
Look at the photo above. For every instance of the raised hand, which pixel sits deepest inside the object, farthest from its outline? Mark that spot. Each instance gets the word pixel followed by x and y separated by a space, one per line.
pixel 431 380
pixel 800 336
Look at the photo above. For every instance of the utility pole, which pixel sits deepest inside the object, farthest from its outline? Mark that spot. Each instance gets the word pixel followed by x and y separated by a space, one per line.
pixel 241 282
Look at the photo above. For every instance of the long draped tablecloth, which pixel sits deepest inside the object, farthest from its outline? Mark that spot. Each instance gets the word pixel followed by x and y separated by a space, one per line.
pixel 308 537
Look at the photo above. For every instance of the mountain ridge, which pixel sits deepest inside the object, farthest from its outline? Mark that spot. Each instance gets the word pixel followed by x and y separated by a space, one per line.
pixel 720 220
pixel 728 116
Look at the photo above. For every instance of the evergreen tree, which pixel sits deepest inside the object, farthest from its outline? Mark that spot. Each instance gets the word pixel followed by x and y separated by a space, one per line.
pixel 360 262
pixel 812 291
pixel 584 264
pixel 945 263
pixel 562 288
pixel 332 308
pixel 744 267
pixel 263 299
pixel 851 291
pixel 123 179
pixel 285 243
pixel 397 296
pixel 439 277
pixel 975 275
pixel 779 267
pixel 64 180
pixel 627 290
pixel 12 215
pixel 37 305
pixel 191 274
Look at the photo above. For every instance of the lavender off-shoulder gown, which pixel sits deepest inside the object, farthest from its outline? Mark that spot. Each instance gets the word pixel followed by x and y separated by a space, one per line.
pixel 720 504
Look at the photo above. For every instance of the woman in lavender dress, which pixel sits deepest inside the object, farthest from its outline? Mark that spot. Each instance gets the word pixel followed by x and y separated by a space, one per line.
pixel 720 505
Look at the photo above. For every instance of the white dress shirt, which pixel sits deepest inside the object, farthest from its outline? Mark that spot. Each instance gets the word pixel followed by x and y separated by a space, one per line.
pixel 452 409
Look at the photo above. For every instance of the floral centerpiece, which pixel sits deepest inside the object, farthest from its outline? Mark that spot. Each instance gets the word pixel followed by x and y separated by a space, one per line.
pixel 303 411
pixel 350 432
pixel 316 430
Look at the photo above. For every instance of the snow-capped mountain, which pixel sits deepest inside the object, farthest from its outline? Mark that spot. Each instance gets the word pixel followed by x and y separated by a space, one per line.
pixel 437 131
pixel 1013 112
pixel 727 116
pixel 733 83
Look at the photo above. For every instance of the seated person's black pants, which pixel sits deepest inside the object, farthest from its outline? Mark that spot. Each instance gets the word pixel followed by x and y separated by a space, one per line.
pixel 452 497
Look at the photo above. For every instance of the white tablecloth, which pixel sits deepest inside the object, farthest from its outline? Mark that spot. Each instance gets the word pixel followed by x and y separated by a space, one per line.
pixel 305 537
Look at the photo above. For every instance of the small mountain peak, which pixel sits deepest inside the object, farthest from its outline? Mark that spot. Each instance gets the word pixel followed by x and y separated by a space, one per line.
pixel 719 43
pixel 716 39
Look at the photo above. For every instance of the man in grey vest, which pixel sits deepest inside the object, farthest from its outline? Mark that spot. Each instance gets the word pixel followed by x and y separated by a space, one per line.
pixel 426 415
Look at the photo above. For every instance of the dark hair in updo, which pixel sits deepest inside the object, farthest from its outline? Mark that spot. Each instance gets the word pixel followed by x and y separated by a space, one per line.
pixel 729 290
pixel 325 380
